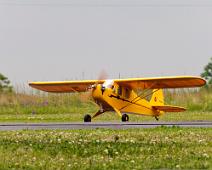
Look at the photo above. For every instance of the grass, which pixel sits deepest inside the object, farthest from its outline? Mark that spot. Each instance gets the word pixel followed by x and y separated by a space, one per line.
pixel 111 116
pixel 192 99
pixel 158 148
pixel 44 103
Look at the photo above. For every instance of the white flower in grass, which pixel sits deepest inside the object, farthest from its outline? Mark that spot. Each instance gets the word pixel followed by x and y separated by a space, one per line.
pixel 202 141
pixel 106 151
pixel 205 155
pixel 132 141
pixel 132 161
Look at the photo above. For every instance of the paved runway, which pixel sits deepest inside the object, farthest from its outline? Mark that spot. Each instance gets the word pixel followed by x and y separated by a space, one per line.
pixel 93 125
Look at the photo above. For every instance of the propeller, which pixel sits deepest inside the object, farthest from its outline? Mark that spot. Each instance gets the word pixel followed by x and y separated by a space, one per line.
pixel 102 76
pixel 86 96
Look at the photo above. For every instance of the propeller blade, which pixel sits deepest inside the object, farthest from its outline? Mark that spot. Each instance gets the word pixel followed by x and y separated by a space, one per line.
pixel 103 75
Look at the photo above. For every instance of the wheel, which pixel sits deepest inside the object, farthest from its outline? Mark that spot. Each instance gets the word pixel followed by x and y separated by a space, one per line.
pixel 87 118
pixel 125 118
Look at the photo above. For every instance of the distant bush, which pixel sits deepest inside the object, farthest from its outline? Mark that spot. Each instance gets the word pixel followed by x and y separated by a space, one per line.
pixel 5 85
pixel 207 74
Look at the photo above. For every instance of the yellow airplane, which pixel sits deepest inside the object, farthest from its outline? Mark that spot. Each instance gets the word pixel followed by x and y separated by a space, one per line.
pixel 125 95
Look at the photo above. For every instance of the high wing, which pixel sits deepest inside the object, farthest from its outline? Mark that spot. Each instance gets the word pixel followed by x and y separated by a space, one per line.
pixel 162 82
pixel 133 83
pixel 65 86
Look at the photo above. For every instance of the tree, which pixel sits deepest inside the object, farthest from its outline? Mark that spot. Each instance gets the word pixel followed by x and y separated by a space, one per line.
pixel 5 84
pixel 207 74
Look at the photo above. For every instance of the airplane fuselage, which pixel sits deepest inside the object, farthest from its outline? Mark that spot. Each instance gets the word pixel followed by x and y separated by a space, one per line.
pixel 122 99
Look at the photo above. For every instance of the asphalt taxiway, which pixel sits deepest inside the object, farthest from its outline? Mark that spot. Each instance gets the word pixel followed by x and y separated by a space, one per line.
pixel 94 125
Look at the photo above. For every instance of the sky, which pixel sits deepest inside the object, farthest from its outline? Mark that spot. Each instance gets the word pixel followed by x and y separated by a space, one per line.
pixel 48 40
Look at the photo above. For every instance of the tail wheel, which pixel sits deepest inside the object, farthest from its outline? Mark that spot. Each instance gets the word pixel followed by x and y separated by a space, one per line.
pixel 87 118
pixel 125 118
pixel 157 118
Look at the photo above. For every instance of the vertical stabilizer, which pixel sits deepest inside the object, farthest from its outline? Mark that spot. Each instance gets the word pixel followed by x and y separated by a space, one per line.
pixel 157 98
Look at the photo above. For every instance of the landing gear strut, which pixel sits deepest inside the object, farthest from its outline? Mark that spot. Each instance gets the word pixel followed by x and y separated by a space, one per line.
pixel 87 118
pixel 125 118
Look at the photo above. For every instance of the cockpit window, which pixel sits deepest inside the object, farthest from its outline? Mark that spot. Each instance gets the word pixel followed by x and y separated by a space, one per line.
pixel 127 93
pixel 114 89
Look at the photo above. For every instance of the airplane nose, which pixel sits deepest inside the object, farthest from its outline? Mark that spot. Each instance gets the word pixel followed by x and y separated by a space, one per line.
pixel 99 91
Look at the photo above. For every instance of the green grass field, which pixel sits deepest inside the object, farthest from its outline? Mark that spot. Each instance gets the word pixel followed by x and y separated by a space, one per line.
pixel 111 117
pixel 158 148
pixel 41 107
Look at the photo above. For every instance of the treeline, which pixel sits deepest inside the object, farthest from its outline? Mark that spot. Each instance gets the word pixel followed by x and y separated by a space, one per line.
pixel 5 85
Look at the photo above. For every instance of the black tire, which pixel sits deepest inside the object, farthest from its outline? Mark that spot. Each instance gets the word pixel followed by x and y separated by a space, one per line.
pixel 87 118
pixel 125 118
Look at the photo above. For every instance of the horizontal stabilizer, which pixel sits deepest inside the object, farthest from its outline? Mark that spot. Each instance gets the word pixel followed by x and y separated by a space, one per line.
pixel 168 108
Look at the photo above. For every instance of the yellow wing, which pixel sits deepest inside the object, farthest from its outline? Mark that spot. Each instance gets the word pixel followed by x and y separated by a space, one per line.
pixel 162 82
pixel 133 83
pixel 65 86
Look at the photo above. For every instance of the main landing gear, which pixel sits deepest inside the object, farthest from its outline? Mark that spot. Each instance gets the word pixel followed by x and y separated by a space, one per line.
pixel 125 118
pixel 87 118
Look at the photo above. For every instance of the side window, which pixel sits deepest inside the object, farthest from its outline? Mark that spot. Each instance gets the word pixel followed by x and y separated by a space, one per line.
pixel 127 93
pixel 114 89
pixel 119 90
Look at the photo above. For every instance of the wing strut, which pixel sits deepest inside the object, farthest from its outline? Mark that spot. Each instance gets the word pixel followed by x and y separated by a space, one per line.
pixel 140 97
pixel 143 93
